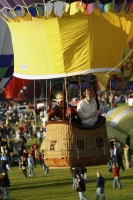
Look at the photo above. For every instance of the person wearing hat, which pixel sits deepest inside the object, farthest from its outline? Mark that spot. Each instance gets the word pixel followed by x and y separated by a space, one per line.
pixel 56 111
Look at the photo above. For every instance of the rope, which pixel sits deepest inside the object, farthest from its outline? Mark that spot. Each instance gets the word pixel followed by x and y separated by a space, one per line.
pixel 120 62
pixel 66 92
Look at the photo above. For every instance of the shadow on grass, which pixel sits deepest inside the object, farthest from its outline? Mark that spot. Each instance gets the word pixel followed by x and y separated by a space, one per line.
pixel 34 185
pixel 31 183
pixel 111 178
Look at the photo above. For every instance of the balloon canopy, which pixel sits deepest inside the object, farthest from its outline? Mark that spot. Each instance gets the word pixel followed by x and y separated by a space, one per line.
pixel 59 39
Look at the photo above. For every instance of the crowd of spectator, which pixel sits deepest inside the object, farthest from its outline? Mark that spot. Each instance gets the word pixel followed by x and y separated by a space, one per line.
pixel 16 129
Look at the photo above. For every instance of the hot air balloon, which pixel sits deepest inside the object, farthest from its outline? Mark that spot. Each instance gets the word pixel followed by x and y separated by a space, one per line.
pixel 22 89
pixel 77 37
pixel 6 55
pixel 119 123
pixel 60 39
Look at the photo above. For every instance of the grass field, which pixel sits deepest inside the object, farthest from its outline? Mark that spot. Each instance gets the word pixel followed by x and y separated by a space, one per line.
pixel 57 185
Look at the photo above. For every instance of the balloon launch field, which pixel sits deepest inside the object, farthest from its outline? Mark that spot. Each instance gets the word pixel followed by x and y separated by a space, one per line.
pixel 57 184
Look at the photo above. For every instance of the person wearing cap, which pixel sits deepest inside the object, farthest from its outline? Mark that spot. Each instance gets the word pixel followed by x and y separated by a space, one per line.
pixel 56 111
pixel 88 110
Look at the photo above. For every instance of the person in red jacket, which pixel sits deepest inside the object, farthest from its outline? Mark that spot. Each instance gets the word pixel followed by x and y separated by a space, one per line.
pixel 32 153
pixel 35 147
pixel 116 180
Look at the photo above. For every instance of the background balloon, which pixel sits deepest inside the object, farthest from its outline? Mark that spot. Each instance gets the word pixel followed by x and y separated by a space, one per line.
pixel 6 55
pixel 22 89
pixel 119 123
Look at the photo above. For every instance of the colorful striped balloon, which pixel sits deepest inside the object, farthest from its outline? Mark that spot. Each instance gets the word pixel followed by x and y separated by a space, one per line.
pixel 6 56
pixel 119 123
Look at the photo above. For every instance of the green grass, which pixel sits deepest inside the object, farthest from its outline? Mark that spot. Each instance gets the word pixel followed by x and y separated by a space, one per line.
pixel 57 185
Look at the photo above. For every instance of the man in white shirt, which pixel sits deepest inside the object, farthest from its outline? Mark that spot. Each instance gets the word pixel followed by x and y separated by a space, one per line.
pixel 87 108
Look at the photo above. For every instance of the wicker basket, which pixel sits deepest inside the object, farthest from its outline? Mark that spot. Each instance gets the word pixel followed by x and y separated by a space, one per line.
pixel 65 145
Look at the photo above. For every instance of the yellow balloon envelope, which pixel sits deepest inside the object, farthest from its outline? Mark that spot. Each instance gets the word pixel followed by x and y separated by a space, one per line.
pixel 69 45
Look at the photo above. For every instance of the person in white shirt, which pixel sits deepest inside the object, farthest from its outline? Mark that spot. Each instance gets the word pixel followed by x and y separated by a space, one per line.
pixel 87 108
